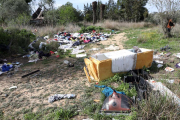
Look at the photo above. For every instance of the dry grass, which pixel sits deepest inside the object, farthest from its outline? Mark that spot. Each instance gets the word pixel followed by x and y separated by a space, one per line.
pixel 111 24
pixel 49 30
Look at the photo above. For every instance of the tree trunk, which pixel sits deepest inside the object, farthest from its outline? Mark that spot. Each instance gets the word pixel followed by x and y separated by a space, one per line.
pixel 94 11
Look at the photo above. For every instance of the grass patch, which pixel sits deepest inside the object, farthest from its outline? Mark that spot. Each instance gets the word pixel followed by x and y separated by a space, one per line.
pixel 150 39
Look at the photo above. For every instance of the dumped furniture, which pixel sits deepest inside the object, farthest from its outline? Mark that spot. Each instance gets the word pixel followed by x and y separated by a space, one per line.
pixel 105 65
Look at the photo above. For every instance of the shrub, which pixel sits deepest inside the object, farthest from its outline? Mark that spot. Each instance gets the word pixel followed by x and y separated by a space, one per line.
pixel 15 41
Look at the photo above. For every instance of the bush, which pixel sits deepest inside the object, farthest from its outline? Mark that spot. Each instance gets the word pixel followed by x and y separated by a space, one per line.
pixel 90 29
pixel 15 41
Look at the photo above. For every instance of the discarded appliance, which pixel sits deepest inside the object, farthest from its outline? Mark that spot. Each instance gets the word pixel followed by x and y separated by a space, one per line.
pixel 105 65
pixel 117 103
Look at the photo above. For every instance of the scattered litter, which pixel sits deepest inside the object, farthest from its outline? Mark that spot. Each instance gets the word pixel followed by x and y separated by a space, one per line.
pixel 30 73
pixel 96 100
pixel 70 65
pixel 6 67
pixel 81 55
pixel 66 62
pixel 177 55
pixel 165 48
pixel 77 51
pixel 167 54
pixel 13 87
pixel 169 69
pixel 112 47
pixel 177 65
pixel 160 62
pixel 159 65
pixel 156 57
pixel 170 81
pixel 60 96
pixel 46 37
pixel 33 60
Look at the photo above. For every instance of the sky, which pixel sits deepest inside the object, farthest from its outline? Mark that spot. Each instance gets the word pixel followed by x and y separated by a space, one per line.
pixel 80 4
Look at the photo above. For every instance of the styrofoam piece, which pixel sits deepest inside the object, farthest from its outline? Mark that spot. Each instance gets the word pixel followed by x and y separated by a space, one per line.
pixel 81 55
pixel 164 90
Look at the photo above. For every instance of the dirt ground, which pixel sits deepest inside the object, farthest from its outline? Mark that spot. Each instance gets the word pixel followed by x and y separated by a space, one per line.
pixel 54 77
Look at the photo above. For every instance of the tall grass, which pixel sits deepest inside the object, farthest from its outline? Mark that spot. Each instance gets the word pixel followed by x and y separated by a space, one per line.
pixel 111 24
pixel 50 30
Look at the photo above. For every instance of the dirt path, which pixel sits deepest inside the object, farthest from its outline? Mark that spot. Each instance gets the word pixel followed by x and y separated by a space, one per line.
pixel 117 40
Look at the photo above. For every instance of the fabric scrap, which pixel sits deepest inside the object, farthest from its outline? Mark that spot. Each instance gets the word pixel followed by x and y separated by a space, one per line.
pixel 60 96
pixel 108 91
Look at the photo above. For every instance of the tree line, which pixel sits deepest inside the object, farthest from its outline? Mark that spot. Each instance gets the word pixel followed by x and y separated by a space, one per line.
pixel 19 11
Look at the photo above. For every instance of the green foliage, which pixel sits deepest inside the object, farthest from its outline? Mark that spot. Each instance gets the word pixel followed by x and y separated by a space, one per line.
pixel 125 88
pixel 90 28
pixel 62 114
pixel 1 114
pixel 52 114
pixel 17 40
pixel 68 14
pixel 64 54
pixel 10 9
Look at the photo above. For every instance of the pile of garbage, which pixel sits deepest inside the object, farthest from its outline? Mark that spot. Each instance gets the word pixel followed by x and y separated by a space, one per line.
pixel 75 42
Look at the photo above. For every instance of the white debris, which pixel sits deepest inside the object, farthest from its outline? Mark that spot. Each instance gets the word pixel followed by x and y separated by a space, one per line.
pixel 81 55
pixel 94 49
pixel 156 57
pixel 13 87
pixel 112 47
pixel 177 55
pixel 41 44
pixel 159 65
pixel 77 51
pixel 158 61
pixel 66 61
pixel 46 37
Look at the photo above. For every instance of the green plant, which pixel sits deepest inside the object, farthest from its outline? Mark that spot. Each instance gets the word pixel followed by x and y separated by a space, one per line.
pixel 62 114
pixel 124 87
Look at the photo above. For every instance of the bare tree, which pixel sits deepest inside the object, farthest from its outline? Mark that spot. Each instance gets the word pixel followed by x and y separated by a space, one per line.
pixel 168 9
